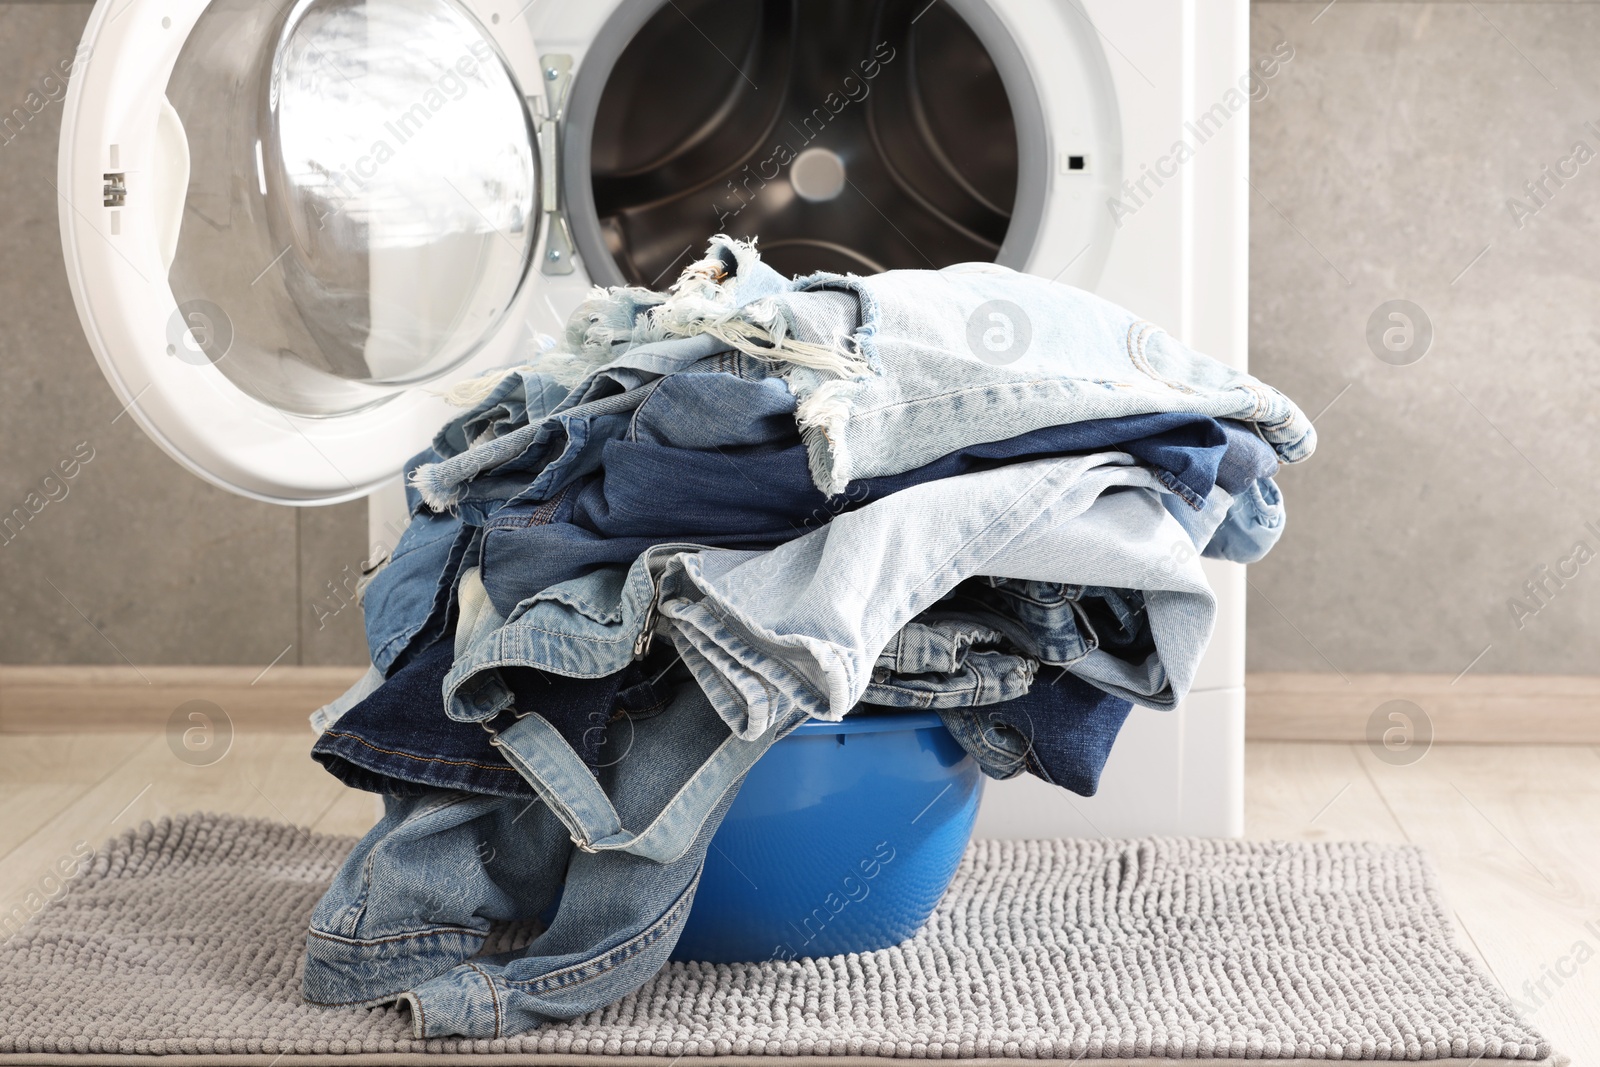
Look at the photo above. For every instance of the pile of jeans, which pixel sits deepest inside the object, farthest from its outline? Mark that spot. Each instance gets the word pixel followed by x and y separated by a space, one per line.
pixel 708 515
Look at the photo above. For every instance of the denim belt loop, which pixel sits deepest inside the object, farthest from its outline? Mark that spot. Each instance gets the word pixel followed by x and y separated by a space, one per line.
pixel 538 752
pixel 542 756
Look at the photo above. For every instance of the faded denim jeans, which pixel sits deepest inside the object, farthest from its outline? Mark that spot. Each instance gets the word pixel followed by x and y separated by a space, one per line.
pixel 414 902
pixel 804 624
pixel 1254 522
pixel 888 370
pixel 930 385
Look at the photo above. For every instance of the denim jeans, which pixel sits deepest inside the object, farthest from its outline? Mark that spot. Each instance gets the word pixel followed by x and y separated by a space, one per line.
pixel 1254 522
pixel 1061 730
pixel 407 603
pixel 933 382
pixel 417 895
pixel 396 739
pixel 1248 458
pixel 895 369
pixel 527 440
pixel 888 370
pixel 748 492
pixel 803 624
pixel 547 759
pixel 974 659
pixel 613 349
pixel 555 570
pixel 943 659
pixel 1055 623
pixel 521 446
pixel 760 646
pixel 413 903
pixel 813 493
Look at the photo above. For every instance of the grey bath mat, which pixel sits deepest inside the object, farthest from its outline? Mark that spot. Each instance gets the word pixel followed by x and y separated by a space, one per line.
pixel 183 941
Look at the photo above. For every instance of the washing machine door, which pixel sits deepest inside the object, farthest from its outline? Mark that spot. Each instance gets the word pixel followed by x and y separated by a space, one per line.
pixel 289 228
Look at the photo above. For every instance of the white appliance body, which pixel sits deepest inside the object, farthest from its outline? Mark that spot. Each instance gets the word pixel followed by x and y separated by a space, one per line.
pixel 1179 259
pixel 1118 86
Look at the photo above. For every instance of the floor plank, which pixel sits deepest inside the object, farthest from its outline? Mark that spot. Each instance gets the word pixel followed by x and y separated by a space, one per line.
pixel 57 759
pixel 41 775
pixel 1513 834
pixel 267 775
pixel 1312 792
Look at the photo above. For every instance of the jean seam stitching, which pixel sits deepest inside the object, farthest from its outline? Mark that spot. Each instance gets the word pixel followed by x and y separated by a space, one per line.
pixel 494 995
pixel 419 759
pixel 609 961
pixel 359 942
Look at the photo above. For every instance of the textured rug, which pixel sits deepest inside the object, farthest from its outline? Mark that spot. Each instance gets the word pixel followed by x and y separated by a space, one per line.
pixel 182 940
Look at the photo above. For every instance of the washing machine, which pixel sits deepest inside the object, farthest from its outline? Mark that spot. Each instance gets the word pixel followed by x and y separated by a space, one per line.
pixel 291 225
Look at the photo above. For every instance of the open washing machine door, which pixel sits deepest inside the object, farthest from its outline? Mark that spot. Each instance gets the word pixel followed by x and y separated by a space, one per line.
pixel 289 228
pixel 286 226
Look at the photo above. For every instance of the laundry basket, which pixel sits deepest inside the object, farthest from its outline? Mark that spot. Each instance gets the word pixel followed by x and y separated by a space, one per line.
pixel 843 838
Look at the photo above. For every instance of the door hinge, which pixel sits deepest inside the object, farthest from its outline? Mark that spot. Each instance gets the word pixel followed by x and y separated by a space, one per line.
pixel 556 70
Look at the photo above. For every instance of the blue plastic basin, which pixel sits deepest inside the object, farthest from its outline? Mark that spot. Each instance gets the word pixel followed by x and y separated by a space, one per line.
pixel 843 839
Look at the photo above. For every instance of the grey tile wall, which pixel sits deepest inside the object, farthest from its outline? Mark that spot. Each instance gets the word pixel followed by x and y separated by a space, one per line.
pixel 135 560
pixel 1384 162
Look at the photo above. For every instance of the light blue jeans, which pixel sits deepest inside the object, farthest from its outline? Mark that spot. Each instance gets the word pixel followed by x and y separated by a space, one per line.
pixel 890 370
pixel 412 905
pixel 930 385
pixel 1254 522
pixel 804 624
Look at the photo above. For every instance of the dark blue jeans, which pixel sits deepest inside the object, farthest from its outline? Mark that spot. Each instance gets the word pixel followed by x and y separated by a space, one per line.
pixel 757 496
pixel 398 741
pixel 1061 730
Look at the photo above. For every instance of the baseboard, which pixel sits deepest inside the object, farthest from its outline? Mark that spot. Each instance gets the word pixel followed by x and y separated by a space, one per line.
pixel 1477 709
pixel 61 699
pixel 1500 709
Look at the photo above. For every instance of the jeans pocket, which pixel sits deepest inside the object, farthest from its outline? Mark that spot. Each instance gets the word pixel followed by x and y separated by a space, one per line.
pixel 999 750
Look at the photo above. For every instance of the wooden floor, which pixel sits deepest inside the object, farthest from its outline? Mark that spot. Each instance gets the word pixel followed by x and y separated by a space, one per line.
pixel 1514 831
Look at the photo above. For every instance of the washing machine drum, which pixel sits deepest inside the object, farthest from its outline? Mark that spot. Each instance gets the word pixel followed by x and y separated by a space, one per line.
pixel 847 136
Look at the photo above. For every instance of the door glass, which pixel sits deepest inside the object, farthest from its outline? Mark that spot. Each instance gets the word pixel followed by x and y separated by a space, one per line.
pixel 362 196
